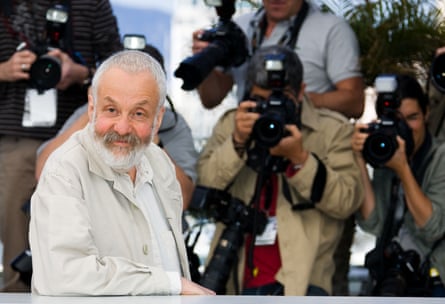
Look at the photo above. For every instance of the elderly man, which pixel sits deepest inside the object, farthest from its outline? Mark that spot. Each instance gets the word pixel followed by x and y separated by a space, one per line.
pixel 107 209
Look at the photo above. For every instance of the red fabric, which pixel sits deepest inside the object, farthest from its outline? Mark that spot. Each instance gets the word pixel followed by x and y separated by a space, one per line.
pixel 290 171
pixel 266 258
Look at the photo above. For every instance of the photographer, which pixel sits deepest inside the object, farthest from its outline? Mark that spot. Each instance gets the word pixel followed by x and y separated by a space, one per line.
pixel 409 187
pixel 436 94
pixel 48 53
pixel 326 45
pixel 316 186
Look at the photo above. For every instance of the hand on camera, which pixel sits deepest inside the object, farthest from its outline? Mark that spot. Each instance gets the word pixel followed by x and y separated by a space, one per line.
pixel 358 138
pixel 197 44
pixel 398 161
pixel 291 146
pixel 190 288
pixel 244 120
pixel 17 67
pixel 72 72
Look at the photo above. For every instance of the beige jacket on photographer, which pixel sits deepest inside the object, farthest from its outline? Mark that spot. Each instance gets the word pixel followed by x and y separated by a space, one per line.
pixel 307 239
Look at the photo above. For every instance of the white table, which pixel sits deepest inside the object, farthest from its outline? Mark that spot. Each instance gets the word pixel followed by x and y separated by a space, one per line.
pixel 28 298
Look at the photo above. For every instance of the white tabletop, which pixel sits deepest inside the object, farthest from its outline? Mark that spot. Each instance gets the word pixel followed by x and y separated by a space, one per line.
pixel 28 298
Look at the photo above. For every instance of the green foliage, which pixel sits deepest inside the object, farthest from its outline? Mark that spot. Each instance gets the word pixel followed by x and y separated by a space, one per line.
pixel 395 36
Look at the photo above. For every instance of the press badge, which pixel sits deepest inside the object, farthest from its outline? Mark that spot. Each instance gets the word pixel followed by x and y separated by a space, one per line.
pixel 40 109
pixel 270 233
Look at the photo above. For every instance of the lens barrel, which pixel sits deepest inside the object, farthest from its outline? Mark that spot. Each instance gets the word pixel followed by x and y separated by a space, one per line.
pixel 45 73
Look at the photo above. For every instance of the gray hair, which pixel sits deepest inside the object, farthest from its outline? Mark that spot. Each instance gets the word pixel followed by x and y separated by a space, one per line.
pixel 132 61
pixel 258 75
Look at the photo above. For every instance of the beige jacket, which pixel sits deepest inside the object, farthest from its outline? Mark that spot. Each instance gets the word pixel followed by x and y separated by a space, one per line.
pixel 87 235
pixel 307 239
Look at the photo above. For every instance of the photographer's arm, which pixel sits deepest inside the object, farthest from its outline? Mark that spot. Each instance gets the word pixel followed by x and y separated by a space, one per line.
pixel 185 181
pixel 419 205
pixel 219 162
pixel 54 143
pixel 214 88
pixel 357 142
pixel 347 98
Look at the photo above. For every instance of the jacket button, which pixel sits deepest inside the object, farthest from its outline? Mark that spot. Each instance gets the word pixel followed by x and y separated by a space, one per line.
pixel 145 249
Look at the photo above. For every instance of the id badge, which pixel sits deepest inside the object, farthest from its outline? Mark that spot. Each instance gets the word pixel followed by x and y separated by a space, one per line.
pixel 40 109
pixel 270 233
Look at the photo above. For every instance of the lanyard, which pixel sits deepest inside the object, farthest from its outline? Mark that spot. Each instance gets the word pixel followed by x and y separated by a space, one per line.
pixel 291 35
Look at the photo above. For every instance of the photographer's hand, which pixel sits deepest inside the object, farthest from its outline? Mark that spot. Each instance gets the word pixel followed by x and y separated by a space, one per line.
pixel 357 142
pixel 358 138
pixel 72 72
pixel 291 146
pixel 197 44
pixel 398 162
pixel 419 205
pixel 17 66
pixel 244 121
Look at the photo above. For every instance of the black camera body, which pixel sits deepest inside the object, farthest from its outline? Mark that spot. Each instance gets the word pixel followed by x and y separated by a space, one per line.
pixel 228 47
pixel 277 111
pixel 397 272
pixel 381 144
pixel 46 71
pixel 239 219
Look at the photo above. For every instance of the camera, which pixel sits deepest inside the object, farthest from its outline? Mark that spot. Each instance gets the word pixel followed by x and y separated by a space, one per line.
pixel 239 219
pixel 381 144
pixel 437 72
pixel 228 47
pixel 278 110
pixel 402 272
pixel 23 265
pixel 46 71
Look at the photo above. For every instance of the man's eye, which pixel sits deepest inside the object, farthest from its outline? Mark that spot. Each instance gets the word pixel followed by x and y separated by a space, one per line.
pixel 139 115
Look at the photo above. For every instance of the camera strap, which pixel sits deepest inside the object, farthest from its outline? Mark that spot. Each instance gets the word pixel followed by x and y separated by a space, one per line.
pixel 290 38
pixel 317 190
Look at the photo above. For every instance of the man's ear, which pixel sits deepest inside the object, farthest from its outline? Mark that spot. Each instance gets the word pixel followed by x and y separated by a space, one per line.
pixel 159 118
pixel 90 107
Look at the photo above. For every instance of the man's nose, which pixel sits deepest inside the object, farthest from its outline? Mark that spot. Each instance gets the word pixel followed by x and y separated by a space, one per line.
pixel 122 125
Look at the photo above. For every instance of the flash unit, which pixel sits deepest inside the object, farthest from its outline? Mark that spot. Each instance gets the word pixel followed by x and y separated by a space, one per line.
pixel 385 83
pixel 57 14
pixel 134 42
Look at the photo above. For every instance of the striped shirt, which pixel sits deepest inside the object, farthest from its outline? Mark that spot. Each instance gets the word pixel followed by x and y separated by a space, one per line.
pixel 94 37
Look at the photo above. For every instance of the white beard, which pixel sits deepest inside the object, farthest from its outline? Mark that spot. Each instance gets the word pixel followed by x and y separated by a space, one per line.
pixel 119 159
